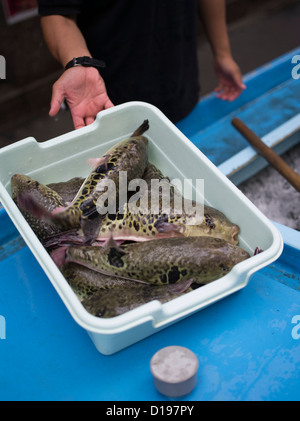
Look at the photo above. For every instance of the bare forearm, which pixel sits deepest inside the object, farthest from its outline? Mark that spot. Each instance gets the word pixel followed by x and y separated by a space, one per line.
pixel 63 38
pixel 213 15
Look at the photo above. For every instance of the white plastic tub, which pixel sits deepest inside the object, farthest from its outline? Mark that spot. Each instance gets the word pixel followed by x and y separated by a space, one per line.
pixel 65 157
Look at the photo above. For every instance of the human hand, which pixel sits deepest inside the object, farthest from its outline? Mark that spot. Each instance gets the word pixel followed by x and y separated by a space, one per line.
pixel 230 84
pixel 84 90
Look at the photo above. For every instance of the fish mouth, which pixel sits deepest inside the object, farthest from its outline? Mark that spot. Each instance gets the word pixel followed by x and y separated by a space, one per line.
pixel 14 179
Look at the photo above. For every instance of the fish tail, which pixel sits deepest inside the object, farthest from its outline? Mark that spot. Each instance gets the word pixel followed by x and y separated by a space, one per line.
pixel 141 130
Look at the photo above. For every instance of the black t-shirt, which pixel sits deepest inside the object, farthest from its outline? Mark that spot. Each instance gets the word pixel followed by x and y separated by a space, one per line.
pixel 149 47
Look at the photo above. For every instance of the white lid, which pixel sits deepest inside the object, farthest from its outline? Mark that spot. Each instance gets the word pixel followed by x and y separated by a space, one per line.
pixel 174 370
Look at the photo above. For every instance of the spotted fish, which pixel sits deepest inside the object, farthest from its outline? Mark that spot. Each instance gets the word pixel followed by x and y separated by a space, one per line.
pixel 159 262
pixel 144 225
pixel 22 184
pixel 153 173
pixel 109 296
pixel 86 282
pixel 114 302
pixel 129 155
pixel 67 189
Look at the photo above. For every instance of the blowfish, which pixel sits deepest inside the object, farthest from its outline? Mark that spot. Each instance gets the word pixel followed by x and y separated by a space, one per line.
pixel 109 296
pixel 144 225
pixel 128 155
pixel 22 184
pixel 158 262
pixel 67 189
pixel 153 173
pixel 116 301
pixel 86 282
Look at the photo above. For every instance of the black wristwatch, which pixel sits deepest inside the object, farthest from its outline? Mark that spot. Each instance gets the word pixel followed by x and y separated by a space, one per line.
pixel 86 62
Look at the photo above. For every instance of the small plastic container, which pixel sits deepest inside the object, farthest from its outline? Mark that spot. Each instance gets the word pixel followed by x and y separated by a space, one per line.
pixel 64 157
pixel 174 370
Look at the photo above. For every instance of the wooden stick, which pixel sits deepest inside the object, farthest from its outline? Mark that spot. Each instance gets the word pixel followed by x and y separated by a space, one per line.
pixel 278 163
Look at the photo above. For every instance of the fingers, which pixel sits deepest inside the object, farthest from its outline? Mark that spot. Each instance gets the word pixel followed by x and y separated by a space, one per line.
pixel 56 100
pixel 233 73
pixel 229 89
pixel 83 116
pixel 242 86
pixel 89 120
pixel 228 93
pixel 230 84
pixel 78 121
pixel 237 79
pixel 85 93
pixel 82 121
pixel 108 104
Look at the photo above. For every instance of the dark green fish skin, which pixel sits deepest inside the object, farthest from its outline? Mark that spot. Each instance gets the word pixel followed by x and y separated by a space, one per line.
pixel 67 189
pixel 144 225
pixel 162 261
pixel 153 173
pixel 129 155
pixel 116 301
pixel 109 296
pixel 86 282
pixel 23 184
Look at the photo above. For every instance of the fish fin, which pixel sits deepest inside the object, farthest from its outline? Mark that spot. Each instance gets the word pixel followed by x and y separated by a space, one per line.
pixel 181 286
pixel 28 203
pixel 111 243
pixel 91 227
pixel 65 238
pixel 89 209
pixel 96 162
pixel 141 130
pixel 168 227
pixel 59 209
pixel 59 256
pixel 257 251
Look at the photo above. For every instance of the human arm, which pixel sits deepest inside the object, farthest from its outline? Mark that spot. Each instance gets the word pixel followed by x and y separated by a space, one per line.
pixel 213 15
pixel 82 87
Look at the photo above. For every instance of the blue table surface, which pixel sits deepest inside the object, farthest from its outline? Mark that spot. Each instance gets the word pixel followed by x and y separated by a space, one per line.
pixel 248 344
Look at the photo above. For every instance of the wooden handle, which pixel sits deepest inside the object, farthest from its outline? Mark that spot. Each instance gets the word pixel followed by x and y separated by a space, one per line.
pixel 278 163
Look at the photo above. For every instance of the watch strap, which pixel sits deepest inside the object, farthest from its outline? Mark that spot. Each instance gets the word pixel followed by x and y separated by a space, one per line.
pixel 86 62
